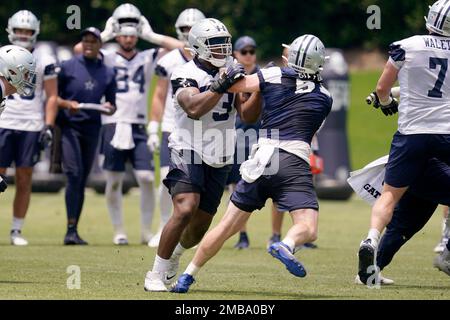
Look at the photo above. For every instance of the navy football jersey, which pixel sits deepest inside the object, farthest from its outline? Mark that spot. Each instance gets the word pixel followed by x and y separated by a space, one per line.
pixel 294 107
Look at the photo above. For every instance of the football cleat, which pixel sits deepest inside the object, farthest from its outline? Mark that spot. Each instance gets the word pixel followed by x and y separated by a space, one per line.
pixel 383 281
pixel 366 256
pixel 17 239
pixel 120 239
pixel 146 237
pixel 183 283
pixel 442 262
pixel 281 251
pixel 441 245
pixel 72 238
pixel 154 282
pixel 243 242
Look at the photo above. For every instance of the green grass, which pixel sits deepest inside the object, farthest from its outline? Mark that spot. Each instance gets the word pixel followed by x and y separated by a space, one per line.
pixel 110 272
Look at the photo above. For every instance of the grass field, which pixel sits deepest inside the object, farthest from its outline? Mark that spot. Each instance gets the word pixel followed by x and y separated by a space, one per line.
pixel 109 272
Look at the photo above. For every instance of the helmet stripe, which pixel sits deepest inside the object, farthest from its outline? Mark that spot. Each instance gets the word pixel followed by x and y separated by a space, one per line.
pixel 299 49
pixel 439 14
pixel 306 50
pixel 444 16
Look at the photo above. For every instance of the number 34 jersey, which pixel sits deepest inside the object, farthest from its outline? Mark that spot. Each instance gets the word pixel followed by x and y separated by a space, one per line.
pixel 213 135
pixel 424 79
pixel 133 78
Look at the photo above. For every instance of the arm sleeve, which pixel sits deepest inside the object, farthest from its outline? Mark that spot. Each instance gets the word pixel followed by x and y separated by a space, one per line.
pixel 269 75
pixel 397 54
pixel 180 83
pixel 50 69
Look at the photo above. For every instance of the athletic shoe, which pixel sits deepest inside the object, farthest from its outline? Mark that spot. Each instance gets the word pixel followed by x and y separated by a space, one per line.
pixel 442 261
pixel 282 252
pixel 383 281
pixel 310 245
pixel 170 274
pixel 154 241
pixel 440 246
pixel 120 239
pixel 72 238
pixel 366 259
pixel 243 242
pixel 273 239
pixel 154 282
pixel 17 239
pixel 183 283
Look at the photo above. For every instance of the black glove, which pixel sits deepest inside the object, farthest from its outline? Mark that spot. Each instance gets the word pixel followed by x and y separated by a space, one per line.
pixel 234 73
pixel 388 110
pixel 46 137
pixel 3 184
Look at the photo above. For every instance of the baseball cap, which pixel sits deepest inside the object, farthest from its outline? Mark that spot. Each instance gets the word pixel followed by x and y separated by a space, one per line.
pixel 92 30
pixel 243 42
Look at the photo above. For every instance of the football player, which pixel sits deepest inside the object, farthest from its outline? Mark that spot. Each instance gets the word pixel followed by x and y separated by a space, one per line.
pixel 163 110
pixel 25 126
pixel 202 144
pixel 17 74
pixel 423 124
pixel 295 106
pixel 124 134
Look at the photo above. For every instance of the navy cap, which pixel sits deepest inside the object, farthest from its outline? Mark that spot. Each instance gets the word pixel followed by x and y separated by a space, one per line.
pixel 243 42
pixel 92 30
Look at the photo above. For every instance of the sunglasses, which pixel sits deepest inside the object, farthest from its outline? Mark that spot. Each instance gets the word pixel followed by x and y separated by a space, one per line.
pixel 245 52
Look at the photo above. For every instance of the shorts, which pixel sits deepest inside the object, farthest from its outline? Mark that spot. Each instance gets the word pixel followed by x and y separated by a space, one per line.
pixel 164 154
pixel 20 147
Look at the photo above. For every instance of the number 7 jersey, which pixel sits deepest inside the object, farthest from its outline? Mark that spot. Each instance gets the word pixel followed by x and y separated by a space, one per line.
pixel 424 79
pixel 212 136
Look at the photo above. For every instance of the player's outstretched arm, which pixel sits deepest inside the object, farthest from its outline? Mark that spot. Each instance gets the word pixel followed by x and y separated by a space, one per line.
pixel 386 82
pixel 149 35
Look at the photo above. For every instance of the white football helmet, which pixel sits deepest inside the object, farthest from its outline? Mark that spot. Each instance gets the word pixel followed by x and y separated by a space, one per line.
pixel 23 19
pixel 210 38
pixel 306 55
pixel 18 66
pixel 438 20
pixel 187 18
pixel 127 20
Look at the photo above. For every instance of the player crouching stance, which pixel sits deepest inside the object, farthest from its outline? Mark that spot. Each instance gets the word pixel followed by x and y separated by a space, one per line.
pixel 296 104
pixel 199 166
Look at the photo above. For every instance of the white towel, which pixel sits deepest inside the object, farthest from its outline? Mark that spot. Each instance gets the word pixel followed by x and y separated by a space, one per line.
pixel 254 167
pixel 123 137
pixel 368 181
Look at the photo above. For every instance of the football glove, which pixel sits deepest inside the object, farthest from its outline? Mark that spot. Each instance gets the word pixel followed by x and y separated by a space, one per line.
pixel 46 137
pixel 233 73
pixel 3 184
pixel 108 33
pixel 153 137
pixel 388 109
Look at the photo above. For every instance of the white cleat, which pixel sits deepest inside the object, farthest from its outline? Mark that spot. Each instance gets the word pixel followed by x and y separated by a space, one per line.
pixel 442 262
pixel 383 281
pixel 154 282
pixel 17 239
pixel 154 241
pixel 120 239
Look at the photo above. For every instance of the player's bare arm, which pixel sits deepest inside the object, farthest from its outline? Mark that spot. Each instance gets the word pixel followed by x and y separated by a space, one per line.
pixel 159 99
pixel 386 82
pixel 195 103
pixel 9 88
pixel 249 109
pixel 51 107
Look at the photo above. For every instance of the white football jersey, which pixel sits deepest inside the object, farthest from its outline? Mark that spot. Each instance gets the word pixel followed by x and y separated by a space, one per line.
pixel 424 84
pixel 164 69
pixel 133 78
pixel 27 113
pixel 213 136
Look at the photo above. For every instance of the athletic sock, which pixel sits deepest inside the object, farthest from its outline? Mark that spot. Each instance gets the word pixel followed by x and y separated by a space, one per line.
pixel 374 236
pixel 145 182
pixel 192 269
pixel 290 243
pixel 17 223
pixel 160 265
pixel 113 195
pixel 179 250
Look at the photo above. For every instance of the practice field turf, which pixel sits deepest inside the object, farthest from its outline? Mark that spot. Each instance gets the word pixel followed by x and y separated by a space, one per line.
pixel 110 272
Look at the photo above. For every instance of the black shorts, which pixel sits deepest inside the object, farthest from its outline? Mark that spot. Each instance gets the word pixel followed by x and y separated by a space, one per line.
pixel 291 187
pixel 196 176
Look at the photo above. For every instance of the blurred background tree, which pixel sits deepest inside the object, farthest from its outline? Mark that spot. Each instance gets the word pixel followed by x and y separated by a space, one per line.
pixel 339 23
